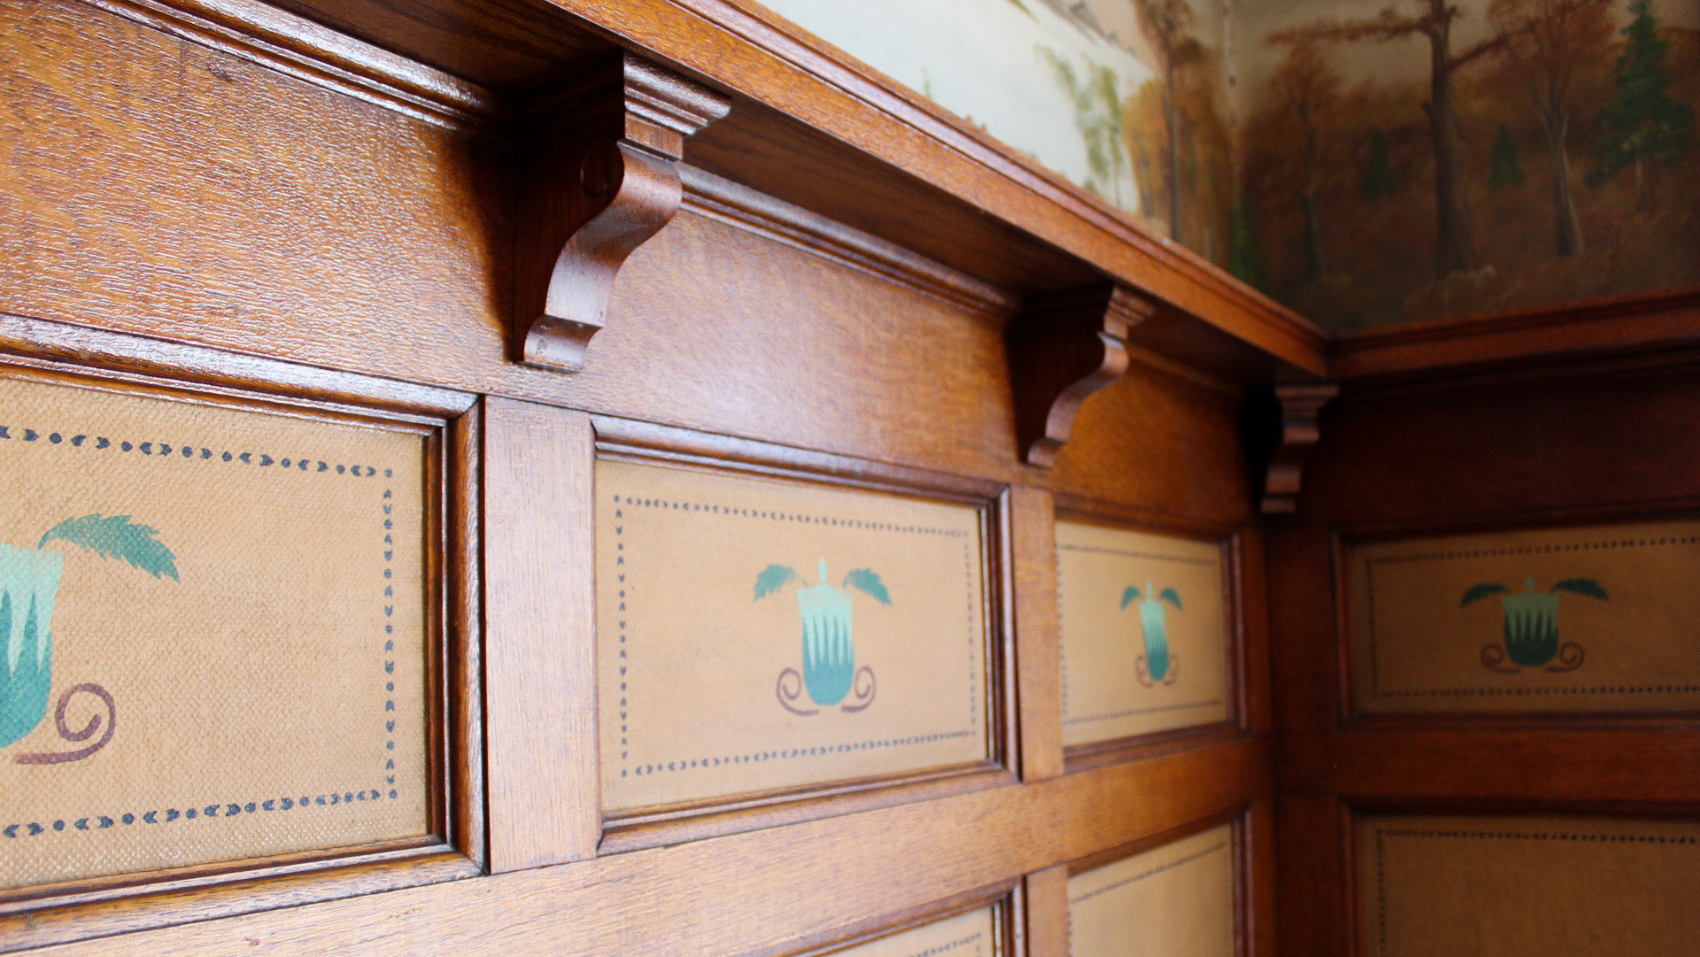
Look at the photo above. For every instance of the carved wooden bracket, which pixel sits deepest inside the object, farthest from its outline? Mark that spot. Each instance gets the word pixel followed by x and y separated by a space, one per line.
pixel 1063 348
pixel 598 179
pixel 1299 407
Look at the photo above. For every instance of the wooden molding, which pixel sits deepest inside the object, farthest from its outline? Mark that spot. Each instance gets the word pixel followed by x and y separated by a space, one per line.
pixel 600 179
pixel 1298 406
pixel 1063 348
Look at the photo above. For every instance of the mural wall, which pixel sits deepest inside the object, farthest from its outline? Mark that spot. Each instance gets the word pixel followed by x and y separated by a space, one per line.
pixel 1411 159
pixel 1367 162
pixel 1127 98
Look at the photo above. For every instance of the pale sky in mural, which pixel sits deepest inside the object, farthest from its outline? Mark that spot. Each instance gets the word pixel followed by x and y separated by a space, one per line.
pixel 980 59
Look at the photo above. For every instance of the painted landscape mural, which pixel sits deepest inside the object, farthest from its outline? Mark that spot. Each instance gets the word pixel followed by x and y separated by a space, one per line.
pixel 1367 162
pixel 1416 159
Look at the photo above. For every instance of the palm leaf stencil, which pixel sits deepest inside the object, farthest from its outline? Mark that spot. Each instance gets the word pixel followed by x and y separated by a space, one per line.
pixel 1582 586
pixel 117 537
pixel 1129 596
pixel 773 578
pixel 1172 597
pixel 1481 591
pixel 868 581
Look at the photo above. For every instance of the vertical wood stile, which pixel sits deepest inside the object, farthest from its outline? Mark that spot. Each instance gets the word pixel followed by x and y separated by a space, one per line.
pixel 540 649
pixel 1038 648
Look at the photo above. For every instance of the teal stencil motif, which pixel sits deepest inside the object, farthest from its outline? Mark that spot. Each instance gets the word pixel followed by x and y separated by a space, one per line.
pixel 829 648
pixel 29 584
pixel 1531 625
pixel 1158 665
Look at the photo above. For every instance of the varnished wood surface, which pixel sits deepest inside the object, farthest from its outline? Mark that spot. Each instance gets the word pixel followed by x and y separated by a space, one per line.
pixel 1038 647
pixel 540 651
pixel 809 878
pixel 1658 765
pixel 1047 912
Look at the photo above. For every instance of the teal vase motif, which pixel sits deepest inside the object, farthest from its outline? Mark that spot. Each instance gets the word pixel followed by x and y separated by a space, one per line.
pixel 1531 628
pixel 1530 636
pixel 1157 666
pixel 29 582
pixel 829 651
pixel 829 646
pixel 1153 618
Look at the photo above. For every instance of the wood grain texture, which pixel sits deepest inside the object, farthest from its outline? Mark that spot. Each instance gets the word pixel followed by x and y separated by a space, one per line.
pixel 1317 874
pixel 540 648
pixel 1256 882
pixel 1039 684
pixel 1527 337
pixel 1656 765
pixel 811 877
pixel 1046 895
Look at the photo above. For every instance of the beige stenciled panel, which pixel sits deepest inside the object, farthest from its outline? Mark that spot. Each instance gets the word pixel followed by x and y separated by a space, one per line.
pixel 1528 887
pixel 973 934
pixel 1571 619
pixel 1173 901
pixel 215 634
pixel 757 634
pixel 1144 632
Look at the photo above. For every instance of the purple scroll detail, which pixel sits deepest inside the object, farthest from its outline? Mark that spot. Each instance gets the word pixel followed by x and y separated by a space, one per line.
pixel 86 733
pixel 792 690
pixel 863 695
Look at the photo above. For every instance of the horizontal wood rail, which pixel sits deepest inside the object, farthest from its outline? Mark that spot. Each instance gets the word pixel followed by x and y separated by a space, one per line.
pixel 809 878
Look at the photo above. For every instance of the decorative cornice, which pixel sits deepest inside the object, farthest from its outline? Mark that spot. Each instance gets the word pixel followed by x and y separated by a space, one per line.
pixel 600 178
pixel 1063 348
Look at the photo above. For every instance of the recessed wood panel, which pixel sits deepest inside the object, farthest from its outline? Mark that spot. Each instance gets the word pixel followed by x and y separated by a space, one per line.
pixel 1144 632
pixel 215 633
pixel 1568 620
pixel 1173 901
pixel 757 634
pixel 973 934
pixel 1528 886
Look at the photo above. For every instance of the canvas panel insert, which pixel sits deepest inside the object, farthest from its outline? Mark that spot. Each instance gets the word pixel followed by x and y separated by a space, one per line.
pixel 1549 620
pixel 756 634
pixel 214 634
pixel 1144 632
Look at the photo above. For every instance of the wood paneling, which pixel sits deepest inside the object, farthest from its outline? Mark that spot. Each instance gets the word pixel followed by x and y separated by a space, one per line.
pixel 811 877
pixel 540 645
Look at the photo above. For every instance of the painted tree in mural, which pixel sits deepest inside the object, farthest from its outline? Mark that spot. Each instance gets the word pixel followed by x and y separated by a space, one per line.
pixel 1310 90
pixel 1641 122
pixel 1098 115
pixel 1432 20
pixel 1548 42
pixel 1168 23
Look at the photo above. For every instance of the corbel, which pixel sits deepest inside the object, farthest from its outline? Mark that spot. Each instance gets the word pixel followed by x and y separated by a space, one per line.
pixel 598 178
pixel 1298 407
pixel 1062 348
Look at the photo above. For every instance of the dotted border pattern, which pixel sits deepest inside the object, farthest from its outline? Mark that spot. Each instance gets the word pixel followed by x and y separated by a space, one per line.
pixel 1382 833
pixel 1218 846
pixel 687 764
pixel 188 452
pixel 1600 545
pixel 217 809
pixel 973 938
pixel 1062 642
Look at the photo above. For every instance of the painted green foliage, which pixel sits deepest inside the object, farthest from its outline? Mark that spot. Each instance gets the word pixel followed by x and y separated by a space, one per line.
pixel 1531 623
pixel 1641 122
pixel 29 584
pixel 829 651
pixel 1506 171
pixel 1378 173
pixel 1098 114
